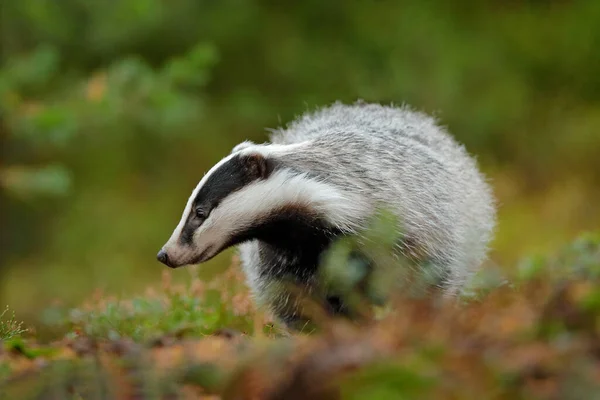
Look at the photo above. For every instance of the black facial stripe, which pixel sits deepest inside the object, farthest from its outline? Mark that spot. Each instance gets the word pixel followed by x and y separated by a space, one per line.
pixel 294 230
pixel 230 177
pixel 187 233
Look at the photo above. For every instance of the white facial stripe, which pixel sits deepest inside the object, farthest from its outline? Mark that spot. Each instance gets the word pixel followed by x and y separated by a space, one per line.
pixel 244 145
pixel 242 208
pixel 247 148
pixel 284 188
pixel 172 242
pixel 272 149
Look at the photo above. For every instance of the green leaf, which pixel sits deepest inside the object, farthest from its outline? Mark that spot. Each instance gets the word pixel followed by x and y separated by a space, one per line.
pixel 26 182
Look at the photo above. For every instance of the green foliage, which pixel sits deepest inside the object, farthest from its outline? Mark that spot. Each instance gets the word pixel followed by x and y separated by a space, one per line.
pixel 113 110
pixel 387 381
pixel 531 340
pixel 348 266
pixel 30 74
pixel 371 267
pixel 18 345
pixel 176 312
pixel 31 182
pixel 49 113
pixel 206 375
pixel 9 327
pixel 128 95
pixel 143 319
pixel 64 379
pixel 579 259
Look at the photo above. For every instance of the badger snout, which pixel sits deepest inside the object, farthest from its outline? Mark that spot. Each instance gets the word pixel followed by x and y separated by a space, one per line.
pixel 163 257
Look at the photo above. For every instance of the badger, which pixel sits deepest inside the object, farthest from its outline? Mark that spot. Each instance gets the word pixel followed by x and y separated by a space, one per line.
pixel 282 203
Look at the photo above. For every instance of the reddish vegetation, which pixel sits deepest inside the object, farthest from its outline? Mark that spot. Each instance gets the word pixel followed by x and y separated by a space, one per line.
pixel 539 339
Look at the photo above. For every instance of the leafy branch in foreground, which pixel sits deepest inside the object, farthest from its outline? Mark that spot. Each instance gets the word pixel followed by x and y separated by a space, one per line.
pixel 369 270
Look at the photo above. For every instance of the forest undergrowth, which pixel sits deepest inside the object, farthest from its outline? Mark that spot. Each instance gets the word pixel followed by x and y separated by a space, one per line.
pixel 533 334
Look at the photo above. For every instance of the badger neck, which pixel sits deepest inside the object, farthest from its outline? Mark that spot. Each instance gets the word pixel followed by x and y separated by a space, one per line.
pixel 292 241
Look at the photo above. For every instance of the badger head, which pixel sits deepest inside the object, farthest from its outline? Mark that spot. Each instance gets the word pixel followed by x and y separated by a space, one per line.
pixel 250 189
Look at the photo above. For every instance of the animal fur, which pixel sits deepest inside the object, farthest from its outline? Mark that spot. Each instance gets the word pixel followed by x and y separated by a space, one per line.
pixel 283 202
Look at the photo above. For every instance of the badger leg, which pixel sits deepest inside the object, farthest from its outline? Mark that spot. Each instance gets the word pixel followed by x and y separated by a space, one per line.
pixel 337 307
pixel 297 307
pixel 295 320
pixel 288 308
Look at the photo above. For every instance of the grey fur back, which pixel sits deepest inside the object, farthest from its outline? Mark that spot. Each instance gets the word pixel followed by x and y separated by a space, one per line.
pixel 401 159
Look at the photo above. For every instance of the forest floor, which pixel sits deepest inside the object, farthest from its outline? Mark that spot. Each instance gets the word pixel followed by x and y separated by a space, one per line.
pixel 537 337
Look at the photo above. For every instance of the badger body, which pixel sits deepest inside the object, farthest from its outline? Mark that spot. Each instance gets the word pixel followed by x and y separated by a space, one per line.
pixel 325 175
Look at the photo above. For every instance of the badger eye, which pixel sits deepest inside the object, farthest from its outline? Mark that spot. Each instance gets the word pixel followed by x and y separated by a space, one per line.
pixel 200 213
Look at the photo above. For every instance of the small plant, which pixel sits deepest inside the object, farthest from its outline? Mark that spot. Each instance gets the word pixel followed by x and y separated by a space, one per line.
pixel 196 309
pixel 10 328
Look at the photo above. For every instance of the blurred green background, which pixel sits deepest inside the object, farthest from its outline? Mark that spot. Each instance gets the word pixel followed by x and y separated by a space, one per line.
pixel 112 110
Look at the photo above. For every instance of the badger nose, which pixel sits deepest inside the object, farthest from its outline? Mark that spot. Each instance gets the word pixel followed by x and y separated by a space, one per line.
pixel 163 257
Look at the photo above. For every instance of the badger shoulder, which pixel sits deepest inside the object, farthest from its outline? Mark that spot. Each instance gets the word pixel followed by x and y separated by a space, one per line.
pixel 402 159
pixel 324 176
pixel 366 119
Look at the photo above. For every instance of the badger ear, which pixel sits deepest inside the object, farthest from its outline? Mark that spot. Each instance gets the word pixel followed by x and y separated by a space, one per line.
pixel 242 146
pixel 257 166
